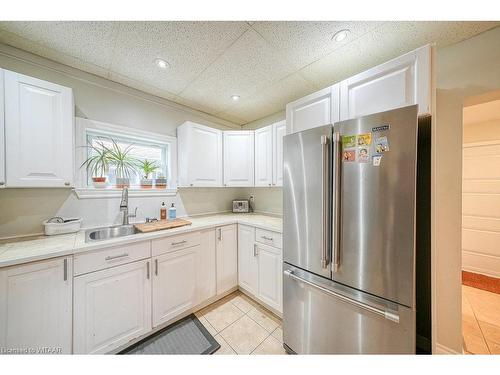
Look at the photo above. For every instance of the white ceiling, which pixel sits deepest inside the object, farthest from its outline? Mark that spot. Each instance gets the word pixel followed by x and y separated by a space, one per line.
pixel 267 63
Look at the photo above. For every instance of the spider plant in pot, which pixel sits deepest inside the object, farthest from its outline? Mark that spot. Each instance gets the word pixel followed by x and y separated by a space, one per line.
pixel 97 163
pixel 147 167
pixel 124 163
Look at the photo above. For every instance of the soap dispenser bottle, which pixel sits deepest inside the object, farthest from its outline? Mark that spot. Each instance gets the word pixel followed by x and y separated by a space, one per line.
pixel 172 212
pixel 163 211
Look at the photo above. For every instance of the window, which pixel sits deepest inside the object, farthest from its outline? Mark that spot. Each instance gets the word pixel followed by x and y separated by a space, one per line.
pixel 143 161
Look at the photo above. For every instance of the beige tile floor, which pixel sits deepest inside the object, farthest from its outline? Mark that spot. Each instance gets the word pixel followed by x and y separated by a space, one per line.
pixel 480 321
pixel 241 326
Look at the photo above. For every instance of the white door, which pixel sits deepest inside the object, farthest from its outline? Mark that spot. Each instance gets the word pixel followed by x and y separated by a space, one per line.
pixel 248 263
pixel 238 158
pixel 111 307
pixel 207 277
pixel 2 131
pixel 264 156
pixel 397 83
pixel 270 276
pixel 279 131
pixel 317 109
pixel 36 305
pixel 39 126
pixel 174 284
pixel 227 258
pixel 199 155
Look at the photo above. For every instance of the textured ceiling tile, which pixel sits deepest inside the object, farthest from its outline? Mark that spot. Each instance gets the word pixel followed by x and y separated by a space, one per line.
pixel 386 42
pixel 249 65
pixel 91 42
pixel 303 42
pixel 188 47
pixel 271 99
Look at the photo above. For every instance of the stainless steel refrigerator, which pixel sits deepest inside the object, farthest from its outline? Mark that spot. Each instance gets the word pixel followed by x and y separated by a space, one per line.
pixel 349 236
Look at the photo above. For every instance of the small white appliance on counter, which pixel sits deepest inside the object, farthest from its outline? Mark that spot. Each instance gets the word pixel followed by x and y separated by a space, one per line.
pixel 241 206
pixel 58 225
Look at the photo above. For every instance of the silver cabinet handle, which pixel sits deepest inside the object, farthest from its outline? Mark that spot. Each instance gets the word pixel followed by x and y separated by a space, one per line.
pixel 255 250
pixel 267 238
pixel 116 256
pixel 390 315
pixel 178 243
pixel 219 237
pixel 147 270
pixel 336 203
pixel 325 192
pixel 65 269
pixel 66 184
pixel 156 267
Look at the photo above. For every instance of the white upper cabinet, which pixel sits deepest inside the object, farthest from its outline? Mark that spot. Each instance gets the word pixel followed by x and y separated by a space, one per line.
pixel 279 131
pixel 2 131
pixel 317 109
pixel 39 127
pixel 36 305
pixel 238 158
pixel 406 80
pixel 199 155
pixel 264 156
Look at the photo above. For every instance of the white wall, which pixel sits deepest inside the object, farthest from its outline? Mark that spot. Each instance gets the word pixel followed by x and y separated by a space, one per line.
pixel 465 69
pixel 23 210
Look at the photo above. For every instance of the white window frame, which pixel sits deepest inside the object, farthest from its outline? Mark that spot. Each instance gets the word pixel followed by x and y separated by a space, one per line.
pixel 83 191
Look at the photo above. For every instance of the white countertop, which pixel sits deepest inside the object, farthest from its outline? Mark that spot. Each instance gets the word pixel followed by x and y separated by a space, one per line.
pixel 20 251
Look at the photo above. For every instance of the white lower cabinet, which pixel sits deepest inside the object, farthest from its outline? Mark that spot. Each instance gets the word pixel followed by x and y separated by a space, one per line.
pixel 227 258
pixel 36 305
pixel 206 266
pixel 111 307
pixel 270 275
pixel 248 262
pixel 174 284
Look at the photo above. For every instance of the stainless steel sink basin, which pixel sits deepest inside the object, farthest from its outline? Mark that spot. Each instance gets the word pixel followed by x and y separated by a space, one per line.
pixel 109 232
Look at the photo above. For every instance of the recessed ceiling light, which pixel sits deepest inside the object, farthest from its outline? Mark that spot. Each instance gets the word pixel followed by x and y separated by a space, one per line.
pixel 161 63
pixel 235 97
pixel 340 35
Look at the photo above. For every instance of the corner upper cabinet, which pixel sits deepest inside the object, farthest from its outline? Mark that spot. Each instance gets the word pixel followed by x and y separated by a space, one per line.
pixel 264 156
pixel 238 158
pixel 279 131
pixel 317 109
pixel 403 81
pixel 199 155
pixel 39 127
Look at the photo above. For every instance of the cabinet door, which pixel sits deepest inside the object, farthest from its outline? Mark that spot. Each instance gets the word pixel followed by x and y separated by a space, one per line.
pixel 36 305
pixel 238 158
pixel 279 131
pixel 318 109
pixel 264 156
pixel 199 155
pixel 207 277
pixel 2 131
pixel 248 264
pixel 227 258
pixel 39 122
pixel 270 276
pixel 396 83
pixel 111 307
pixel 174 284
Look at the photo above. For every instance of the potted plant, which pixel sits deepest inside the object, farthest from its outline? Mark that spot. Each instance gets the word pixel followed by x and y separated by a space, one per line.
pixel 124 163
pixel 161 182
pixel 97 164
pixel 147 167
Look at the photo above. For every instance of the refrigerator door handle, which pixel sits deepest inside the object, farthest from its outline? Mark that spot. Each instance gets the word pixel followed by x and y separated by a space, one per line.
pixel 337 149
pixel 325 192
pixel 390 315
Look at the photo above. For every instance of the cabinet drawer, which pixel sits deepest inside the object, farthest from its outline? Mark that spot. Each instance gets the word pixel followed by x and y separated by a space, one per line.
pixel 106 258
pixel 268 237
pixel 169 244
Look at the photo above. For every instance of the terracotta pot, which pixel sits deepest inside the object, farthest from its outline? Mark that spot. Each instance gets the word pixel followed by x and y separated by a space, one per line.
pixel 99 182
pixel 161 183
pixel 146 183
pixel 122 182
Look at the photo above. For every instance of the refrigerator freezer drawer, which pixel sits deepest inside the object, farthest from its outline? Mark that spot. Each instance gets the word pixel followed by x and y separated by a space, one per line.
pixel 323 317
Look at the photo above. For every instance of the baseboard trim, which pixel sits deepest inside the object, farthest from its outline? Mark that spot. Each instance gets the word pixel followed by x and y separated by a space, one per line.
pixel 480 281
pixel 442 349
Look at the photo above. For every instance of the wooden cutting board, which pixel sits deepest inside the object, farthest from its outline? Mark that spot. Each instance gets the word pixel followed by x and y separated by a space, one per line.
pixel 161 225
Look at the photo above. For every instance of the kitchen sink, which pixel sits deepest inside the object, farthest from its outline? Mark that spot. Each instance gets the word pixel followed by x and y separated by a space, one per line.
pixel 109 232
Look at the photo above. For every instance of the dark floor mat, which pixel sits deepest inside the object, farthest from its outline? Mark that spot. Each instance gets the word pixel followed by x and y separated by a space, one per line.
pixel 187 336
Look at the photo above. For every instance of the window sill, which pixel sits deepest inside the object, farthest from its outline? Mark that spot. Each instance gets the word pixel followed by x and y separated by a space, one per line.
pixel 94 193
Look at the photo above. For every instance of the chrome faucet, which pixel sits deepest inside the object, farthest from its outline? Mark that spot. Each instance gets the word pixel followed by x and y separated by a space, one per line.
pixel 124 207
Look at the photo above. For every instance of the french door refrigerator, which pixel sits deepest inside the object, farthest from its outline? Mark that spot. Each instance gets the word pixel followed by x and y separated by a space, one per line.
pixel 349 236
